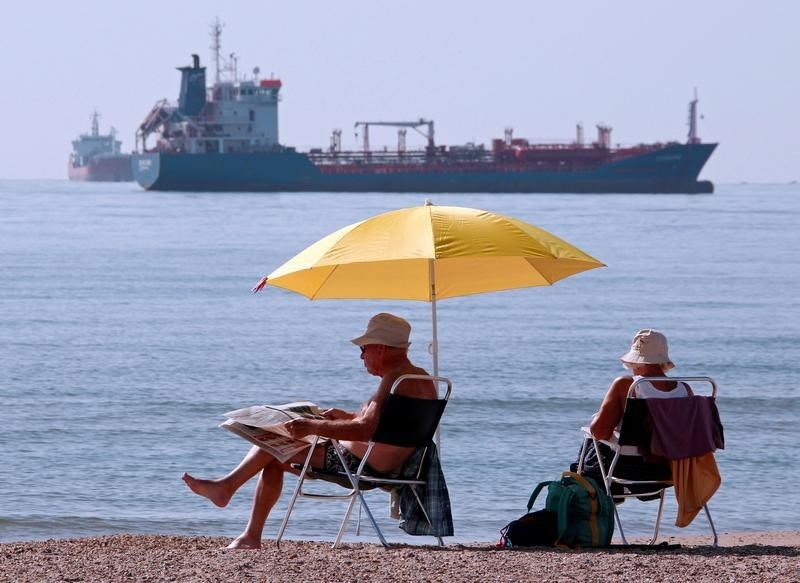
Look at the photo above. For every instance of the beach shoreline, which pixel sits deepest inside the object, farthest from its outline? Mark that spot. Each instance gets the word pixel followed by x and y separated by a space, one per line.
pixel 756 556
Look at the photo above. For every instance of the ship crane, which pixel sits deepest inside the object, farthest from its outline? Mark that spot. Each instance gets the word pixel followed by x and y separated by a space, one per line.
pixel 415 125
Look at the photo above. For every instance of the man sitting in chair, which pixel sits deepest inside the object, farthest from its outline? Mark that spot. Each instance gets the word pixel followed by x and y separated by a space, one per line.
pixel 384 350
pixel 684 432
pixel 648 357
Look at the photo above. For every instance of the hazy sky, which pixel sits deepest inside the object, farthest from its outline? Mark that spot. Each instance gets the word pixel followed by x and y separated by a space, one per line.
pixel 475 67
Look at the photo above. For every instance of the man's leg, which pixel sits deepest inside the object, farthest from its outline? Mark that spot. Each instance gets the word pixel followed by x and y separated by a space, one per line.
pixel 222 490
pixel 268 490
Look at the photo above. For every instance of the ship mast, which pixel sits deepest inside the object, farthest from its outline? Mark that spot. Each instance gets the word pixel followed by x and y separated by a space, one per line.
pixel 216 47
pixel 693 138
pixel 95 123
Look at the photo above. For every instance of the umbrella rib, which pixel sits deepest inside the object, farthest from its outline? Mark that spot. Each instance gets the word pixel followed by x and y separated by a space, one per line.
pixel 324 281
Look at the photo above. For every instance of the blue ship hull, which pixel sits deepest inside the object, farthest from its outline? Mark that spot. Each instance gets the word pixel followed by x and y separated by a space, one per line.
pixel 672 169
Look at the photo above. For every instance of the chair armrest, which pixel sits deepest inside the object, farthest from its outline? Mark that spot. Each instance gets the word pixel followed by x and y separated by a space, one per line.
pixel 612 443
pixel 588 434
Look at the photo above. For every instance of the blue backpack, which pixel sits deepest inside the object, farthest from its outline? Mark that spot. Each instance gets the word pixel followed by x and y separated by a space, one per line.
pixel 585 513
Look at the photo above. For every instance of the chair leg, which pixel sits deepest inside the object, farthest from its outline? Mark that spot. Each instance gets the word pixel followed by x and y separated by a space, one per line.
pixel 606 475
pixel 298 487
pixel 582 454
pixel 357 494
pixel 421 506
pixel 425 514
pixel 658 518
pixel 619 525
pixel 368 512
pixel 711 524
pixel 289 511
pixel 345 520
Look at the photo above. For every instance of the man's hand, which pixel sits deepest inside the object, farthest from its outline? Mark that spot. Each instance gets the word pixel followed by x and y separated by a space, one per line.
pixel 336 414
pixel 300 427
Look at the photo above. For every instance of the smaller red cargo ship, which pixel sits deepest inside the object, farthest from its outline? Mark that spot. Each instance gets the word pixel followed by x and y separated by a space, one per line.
pixel 97 157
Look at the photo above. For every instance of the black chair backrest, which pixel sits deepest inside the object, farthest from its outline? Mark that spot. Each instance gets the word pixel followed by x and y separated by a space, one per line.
pixel 635 428
pixel 408 422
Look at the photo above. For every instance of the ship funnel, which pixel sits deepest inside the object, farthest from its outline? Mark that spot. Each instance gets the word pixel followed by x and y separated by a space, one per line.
pixel 192 97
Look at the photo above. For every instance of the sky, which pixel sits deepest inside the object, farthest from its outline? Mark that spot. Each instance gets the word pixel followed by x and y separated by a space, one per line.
pixel 474 67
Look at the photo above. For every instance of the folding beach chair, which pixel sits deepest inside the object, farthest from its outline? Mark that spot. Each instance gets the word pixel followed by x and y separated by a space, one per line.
pixel 633 443
pixel 393 428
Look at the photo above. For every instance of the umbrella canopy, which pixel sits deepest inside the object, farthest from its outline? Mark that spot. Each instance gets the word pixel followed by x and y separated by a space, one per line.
pixel 429 253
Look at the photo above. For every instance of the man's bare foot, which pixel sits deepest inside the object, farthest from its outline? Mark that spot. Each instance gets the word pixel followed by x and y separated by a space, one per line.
pixel 214 490
pixel 244 541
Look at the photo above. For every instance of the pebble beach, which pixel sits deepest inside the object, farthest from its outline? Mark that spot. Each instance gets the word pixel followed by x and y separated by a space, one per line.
pixel 773 556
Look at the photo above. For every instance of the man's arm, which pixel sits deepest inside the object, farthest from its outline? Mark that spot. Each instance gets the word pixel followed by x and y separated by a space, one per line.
pixel 605 420
pixel 360 427
pixel 338 414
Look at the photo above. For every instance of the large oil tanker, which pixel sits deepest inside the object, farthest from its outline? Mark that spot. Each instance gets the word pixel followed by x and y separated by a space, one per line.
pixel 225 138
pixel 98 157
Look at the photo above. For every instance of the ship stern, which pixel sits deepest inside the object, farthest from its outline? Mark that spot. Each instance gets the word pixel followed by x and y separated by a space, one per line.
pixel 146 169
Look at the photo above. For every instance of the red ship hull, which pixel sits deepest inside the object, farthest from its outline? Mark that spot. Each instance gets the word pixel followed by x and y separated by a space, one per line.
pixel 114 168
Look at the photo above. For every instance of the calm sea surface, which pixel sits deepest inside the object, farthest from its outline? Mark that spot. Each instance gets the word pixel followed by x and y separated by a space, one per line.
pixel 127 328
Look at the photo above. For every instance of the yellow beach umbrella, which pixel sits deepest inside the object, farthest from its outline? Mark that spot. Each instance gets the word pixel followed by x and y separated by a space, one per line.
pixel 429 253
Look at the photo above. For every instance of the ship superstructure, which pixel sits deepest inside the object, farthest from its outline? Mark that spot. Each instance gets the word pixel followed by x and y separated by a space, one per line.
pixel 232 116
pixel 98 157
pixel 226 138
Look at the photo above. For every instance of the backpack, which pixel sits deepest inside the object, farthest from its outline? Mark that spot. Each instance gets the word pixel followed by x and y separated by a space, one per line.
pixel 538 528
pixel 585 513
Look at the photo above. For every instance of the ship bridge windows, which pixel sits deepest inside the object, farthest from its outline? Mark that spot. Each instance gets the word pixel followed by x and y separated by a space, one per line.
pixel 224 91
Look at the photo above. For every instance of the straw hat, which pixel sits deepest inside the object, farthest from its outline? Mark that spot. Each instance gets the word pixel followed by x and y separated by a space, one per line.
pixel 386 329
pixel 648 347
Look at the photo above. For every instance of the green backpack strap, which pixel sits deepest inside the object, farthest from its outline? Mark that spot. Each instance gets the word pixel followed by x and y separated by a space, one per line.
pixel 563 513
pixel 587 485
pixel 536 491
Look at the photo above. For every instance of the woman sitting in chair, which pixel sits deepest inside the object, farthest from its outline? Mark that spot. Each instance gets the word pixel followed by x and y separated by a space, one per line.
pixel 648 357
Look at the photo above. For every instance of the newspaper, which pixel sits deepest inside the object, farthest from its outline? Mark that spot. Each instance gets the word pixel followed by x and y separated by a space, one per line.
pixel 263 425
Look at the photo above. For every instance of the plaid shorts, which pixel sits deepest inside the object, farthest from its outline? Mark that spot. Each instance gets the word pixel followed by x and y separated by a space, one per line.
pixel 334 464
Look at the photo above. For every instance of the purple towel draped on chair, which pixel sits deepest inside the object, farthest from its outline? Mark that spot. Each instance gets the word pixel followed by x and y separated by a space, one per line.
pixel 698 432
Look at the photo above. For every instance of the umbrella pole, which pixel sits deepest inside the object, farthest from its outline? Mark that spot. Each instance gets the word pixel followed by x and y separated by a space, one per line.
pixel 434 341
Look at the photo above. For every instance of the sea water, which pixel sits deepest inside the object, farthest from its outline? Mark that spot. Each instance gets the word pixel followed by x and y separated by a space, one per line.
pixel 127 328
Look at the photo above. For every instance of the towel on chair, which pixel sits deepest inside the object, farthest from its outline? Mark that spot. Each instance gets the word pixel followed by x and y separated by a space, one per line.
pixel 695 480
pixel 697 431
pixel 689 444
pixel 434 496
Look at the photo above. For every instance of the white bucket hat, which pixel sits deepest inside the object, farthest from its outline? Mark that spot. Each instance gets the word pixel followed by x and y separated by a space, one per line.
pixel 386 329
pixel 648 347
